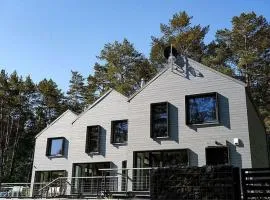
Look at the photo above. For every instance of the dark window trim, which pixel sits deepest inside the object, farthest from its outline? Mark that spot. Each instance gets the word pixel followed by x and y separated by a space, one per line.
pixel 49 145
pixel 168 120
pixel 50 171
pixel 216 147
pixel 87 140
pixel 160 150
pixel 73 165
pixel 202 95
pixel 112 132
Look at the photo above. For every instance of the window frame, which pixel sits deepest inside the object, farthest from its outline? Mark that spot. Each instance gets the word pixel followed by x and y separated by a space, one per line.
pixel 49 147
pixel 113 134
pixel 201 95
pixel 216 147
pixel 38 175
pixel 168 119
pixel 88 140
pixel 162 152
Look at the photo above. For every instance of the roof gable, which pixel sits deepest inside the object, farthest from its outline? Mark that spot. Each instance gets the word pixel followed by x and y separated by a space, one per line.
pixel 168 66
pixel 97 102
pixel 57 119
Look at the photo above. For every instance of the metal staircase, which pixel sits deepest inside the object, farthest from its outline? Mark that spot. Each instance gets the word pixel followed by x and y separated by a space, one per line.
pixel 56 188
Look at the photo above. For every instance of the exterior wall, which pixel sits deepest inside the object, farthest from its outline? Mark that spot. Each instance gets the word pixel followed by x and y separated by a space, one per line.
pixel 113 107
pixel 61 128
pixel 173 86
pixel 258 140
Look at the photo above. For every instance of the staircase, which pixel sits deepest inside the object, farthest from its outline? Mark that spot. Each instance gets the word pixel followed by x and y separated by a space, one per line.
pixel 56 188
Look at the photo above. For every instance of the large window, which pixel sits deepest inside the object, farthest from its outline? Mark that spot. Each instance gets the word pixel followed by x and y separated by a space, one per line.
pixel 217 155
pixel 48 176
pixel 90 185
pixel 202 109
pixel 55 147
pixel 92 139
pixel 119 133
pixel 160 120
pixel 162 158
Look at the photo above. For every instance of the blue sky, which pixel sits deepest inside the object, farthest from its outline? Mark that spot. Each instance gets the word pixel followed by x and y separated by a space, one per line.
pixel 49 38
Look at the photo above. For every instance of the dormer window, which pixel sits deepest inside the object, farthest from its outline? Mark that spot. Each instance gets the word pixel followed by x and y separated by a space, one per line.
pixel 202 109
pixel 92 139
pixel 55 147
pixel 160 120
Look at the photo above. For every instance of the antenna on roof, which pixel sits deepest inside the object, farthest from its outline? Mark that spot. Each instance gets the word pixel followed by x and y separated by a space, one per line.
pixel 170 51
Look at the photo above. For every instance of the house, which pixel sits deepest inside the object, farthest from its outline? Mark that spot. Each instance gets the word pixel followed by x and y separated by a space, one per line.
pixel 187 115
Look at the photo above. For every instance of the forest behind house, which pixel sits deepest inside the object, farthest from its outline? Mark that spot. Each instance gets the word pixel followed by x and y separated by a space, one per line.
pixel 242 52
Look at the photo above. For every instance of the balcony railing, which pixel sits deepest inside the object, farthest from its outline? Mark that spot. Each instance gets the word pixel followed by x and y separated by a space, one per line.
pixel 113 182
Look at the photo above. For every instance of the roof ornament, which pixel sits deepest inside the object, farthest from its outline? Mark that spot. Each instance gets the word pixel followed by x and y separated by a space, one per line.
pixel 170 53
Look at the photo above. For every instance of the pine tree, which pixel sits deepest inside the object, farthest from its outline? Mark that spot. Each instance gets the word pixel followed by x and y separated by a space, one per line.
pixel 244 51
pixel 187 39
pixel 76 92
pixel 52 102
pixel 123 69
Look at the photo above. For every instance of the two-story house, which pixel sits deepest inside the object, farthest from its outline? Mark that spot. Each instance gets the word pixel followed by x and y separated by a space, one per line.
pixel 187 115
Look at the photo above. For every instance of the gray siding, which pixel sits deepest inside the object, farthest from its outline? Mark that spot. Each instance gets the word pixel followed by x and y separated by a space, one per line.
pixel 258 142
pixel 113 107
pixel 61 128
pixel 172 86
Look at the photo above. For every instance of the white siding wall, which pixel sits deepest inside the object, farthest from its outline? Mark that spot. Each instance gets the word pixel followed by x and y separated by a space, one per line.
pixel 173 87
pixel 61 128
pixel 112 107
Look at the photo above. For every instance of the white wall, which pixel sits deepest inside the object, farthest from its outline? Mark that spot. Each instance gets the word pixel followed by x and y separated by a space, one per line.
pixel 173 86
pixel 112 107
pixel 61 128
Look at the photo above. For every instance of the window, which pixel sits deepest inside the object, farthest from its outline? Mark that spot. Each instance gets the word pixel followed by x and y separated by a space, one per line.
pixel 160 120
pixel 217 155
pixel 119 132
pixel 55 147
pixel 90 169
pixel 202 109
pixel 48 176
pixel 163 158
pixel 92 139
pixel 89 185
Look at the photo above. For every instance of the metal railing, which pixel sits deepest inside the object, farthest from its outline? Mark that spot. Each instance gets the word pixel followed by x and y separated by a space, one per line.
pixel 111 182
pixel 55 188
pixel 14 190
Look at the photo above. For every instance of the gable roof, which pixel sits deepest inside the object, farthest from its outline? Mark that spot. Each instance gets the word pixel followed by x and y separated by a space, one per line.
pixel 217 72
pixel 190 61
pixel 97 102
pixel 63 114
pixel 148 83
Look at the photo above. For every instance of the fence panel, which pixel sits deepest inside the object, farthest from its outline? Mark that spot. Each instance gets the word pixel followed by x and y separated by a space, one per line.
pixel 256 183
pixel 221 182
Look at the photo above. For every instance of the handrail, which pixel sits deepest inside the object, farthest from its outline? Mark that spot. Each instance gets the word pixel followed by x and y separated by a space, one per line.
pixel 16 183
pixel 51 183
pixel 95 177
pixel 87 177
pixel 115 169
